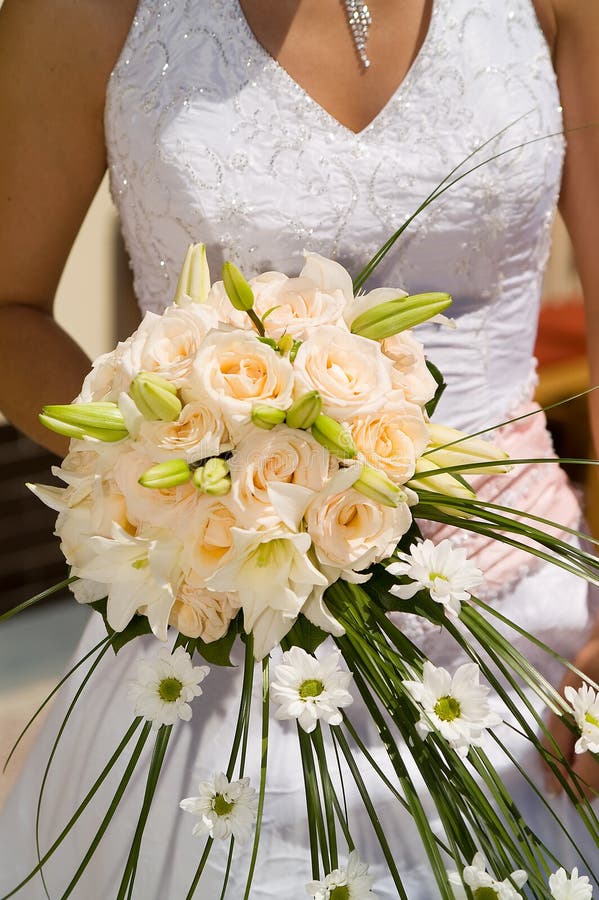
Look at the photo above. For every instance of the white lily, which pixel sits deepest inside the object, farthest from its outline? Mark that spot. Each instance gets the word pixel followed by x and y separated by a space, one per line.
pixel 141 572
pixel 273 577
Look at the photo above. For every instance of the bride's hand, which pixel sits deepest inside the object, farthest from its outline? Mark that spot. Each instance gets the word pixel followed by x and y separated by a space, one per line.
pixel 585 765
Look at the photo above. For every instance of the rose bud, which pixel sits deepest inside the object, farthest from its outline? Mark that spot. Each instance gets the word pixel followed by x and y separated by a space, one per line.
pixel 101 420
pixel 304 412
pixel 238 289
pixel 194 279
pixel 333 437
pixel 155 397
pixel 265 416
pixel 375 485
pixel 392 316
pixel 166 474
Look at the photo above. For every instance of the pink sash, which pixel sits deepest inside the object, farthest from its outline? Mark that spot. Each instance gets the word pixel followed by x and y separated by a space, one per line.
pixel 541 489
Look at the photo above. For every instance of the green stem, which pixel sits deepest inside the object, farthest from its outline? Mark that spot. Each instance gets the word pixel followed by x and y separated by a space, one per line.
pixel 200 868
pixel 263 768
pixel 256 321
pixel 372 815
pixel 160 747
pixel 127 775
pixel 32 600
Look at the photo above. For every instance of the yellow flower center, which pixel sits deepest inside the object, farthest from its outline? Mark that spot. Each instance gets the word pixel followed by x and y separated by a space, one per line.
pixel 447 708
pixel 340 893
pixel 170 689
pixel 312 687
pixel 221 806
pixel 592 720
pixel 485 893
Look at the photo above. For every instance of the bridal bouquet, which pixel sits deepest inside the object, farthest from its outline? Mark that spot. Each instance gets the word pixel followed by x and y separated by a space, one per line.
pixel 252 465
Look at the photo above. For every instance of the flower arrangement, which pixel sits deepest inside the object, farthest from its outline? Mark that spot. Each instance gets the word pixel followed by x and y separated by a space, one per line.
pixel 252 465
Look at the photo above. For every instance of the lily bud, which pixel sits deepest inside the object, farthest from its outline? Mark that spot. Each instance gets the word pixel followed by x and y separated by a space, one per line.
pixel 467 451
pixel 155 397
pixel 286 343
pixel 213 478
pixel 194 279
pixel 393 316
pixel 166 474
pixel 374 484
pixel 444 483
pixel 238 289
pixel 101 420
pixel 334 437
pixel 304 412
pixel 265 416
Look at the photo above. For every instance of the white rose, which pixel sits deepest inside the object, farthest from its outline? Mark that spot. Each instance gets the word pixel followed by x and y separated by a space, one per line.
pixel 349 531
pixel 349 372
pixel 168 508
pixel 235 371
pixel 226 313
pixel 208 537
pixel 198 612
pixel 393 438
pixel 299 305
pixel 265 459
pixel 110 375
pixel 168 344
pixel 198 433
pixel 410 373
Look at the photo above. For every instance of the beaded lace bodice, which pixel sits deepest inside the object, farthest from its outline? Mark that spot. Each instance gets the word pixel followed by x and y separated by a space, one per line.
pixel 210 139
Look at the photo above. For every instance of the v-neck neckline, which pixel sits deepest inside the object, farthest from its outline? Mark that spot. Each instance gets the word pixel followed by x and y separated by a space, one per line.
pixel 416 65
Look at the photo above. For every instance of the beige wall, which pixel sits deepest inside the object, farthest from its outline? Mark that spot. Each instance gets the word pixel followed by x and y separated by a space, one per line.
pixel 85 298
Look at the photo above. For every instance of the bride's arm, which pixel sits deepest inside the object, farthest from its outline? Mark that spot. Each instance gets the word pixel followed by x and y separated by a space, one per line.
pixel 55 58
pixel 577 65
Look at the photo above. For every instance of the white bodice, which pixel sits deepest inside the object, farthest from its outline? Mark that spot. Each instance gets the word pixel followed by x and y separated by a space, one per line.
pixel 210 139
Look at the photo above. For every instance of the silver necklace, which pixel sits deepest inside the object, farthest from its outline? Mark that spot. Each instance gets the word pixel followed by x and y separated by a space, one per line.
pixel 359 19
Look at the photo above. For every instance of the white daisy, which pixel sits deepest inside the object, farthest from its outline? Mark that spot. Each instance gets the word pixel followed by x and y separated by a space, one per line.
pixel 585 707
pixel 575 887
pixel 225 808
pixel 441 569
pixel 483 886
pixel 308 689
pixel 349 883
pixel 457 707
pixel 164 687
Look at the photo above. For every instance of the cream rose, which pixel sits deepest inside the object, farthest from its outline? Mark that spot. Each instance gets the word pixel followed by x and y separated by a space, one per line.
pixel 197 434
pixel 200 613
pixel 264 459
pixel 391 439
pixel 410 373
pixel 349 531
pixel 349 372
pixel 170 508
pixel 208 538
pixel 235 371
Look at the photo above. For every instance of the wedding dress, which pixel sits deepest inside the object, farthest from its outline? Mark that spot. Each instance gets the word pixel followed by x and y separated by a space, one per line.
pixel 210 139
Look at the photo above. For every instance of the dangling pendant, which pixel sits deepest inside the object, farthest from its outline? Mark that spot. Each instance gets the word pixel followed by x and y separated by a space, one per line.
pixel 359 19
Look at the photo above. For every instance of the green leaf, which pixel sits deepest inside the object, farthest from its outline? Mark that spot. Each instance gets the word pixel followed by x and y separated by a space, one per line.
pixel 138 626
pixel 306 635
pixel 218 653
pixel 441 385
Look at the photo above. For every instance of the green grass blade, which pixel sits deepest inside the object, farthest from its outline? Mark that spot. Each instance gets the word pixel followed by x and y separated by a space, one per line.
pixel 72 705
pixel 49 697
pixel 32 600
pixel 126 778
pixel 81 808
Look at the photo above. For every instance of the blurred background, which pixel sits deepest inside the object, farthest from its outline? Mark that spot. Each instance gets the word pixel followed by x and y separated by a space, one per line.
pixel 96 304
